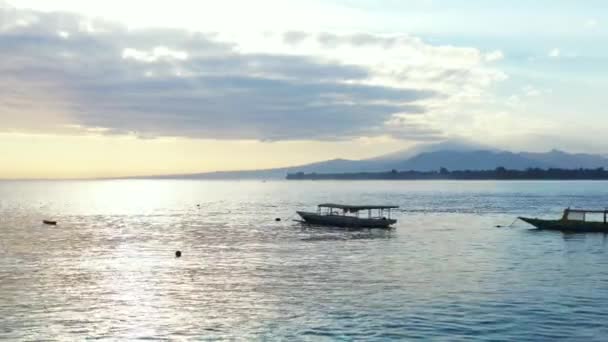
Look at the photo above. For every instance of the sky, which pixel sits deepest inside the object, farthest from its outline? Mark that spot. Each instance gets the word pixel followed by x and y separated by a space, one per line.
pixel 120 88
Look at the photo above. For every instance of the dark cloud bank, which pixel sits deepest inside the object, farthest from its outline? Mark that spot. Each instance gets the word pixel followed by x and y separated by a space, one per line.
pixel 166 82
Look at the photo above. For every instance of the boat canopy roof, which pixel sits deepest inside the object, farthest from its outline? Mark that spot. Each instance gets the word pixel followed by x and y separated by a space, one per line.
pixel 356 207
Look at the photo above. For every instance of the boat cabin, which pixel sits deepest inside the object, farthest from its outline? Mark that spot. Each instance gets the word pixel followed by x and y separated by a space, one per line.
pixel 580 215
pixel 373 211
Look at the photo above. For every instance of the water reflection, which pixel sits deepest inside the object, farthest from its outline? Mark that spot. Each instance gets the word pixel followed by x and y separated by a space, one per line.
pixel 109 271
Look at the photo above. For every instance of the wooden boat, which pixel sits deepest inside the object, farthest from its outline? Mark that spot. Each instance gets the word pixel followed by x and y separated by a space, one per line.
pixel 573 220
pixel 348 216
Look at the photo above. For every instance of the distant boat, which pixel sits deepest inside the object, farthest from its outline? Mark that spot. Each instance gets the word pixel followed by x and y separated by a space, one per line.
pixel 573 220
pixel 49 222
pixel 348 216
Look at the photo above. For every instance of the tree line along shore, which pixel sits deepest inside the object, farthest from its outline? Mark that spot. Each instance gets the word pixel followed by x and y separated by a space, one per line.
pixel 500 173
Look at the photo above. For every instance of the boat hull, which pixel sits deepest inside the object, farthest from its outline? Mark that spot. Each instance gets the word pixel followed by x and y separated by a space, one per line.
pixel 567 226
pixel 345 221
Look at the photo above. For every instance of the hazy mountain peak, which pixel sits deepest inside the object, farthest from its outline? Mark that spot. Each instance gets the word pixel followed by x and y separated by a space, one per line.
pixel 457 145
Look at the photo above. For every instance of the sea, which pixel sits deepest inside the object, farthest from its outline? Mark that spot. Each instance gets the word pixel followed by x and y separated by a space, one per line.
pixel 457 267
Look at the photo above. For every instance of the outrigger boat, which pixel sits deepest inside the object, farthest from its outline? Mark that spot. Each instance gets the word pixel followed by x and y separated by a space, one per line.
pixel 348 216
pixel 573 220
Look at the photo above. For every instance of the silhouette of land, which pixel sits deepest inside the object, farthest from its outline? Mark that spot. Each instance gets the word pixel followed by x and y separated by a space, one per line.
pixel 500 173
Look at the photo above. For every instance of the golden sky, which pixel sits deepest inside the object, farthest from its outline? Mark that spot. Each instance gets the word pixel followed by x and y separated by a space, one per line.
pixel 92 156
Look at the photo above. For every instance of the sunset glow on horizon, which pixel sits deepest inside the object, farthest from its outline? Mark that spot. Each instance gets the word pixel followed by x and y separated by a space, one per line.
pixel 110 90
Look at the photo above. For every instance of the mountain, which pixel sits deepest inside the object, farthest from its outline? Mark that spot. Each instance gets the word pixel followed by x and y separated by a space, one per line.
pixel 452 154
pixel 468 160
pixel 340 166
pixel 458 145
pixel 489 160
pixel 329 166
pixel 376 164
pixel 278 173
pixel 564 160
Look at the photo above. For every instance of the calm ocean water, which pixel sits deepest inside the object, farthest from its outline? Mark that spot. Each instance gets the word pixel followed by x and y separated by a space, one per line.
pixel 445 273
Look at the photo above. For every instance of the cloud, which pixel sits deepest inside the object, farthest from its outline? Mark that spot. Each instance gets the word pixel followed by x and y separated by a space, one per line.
pixel 67 73
pixel 402 60
pixel 591 23
pixel 362 39
pixel 493 56
pixel 408 128
pixel 158 53
pixel 531 91
pixel 294 37
pixel 554 53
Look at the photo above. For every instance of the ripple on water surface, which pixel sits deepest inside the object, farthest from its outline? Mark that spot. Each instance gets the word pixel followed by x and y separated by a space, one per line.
pixel 108 269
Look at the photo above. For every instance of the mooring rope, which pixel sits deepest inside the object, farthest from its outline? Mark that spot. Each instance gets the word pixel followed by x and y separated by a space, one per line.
pixel 509 226
pixel 288 218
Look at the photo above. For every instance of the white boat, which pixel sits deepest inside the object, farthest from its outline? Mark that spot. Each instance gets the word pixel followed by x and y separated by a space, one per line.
pixel 349 216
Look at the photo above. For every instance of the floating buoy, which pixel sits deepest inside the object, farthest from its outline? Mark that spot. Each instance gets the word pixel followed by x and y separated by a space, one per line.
pixel 49 222
pixel 178 254
pixel 278 219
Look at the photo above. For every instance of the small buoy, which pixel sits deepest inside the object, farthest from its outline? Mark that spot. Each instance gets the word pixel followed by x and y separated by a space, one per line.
pixel 49 222
pixel 278 219
pixel 178 254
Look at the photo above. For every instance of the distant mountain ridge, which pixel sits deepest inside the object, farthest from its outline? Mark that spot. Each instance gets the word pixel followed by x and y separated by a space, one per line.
pixel 457 145
pixel 560 159
pixel 456 155
pixel 469 160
